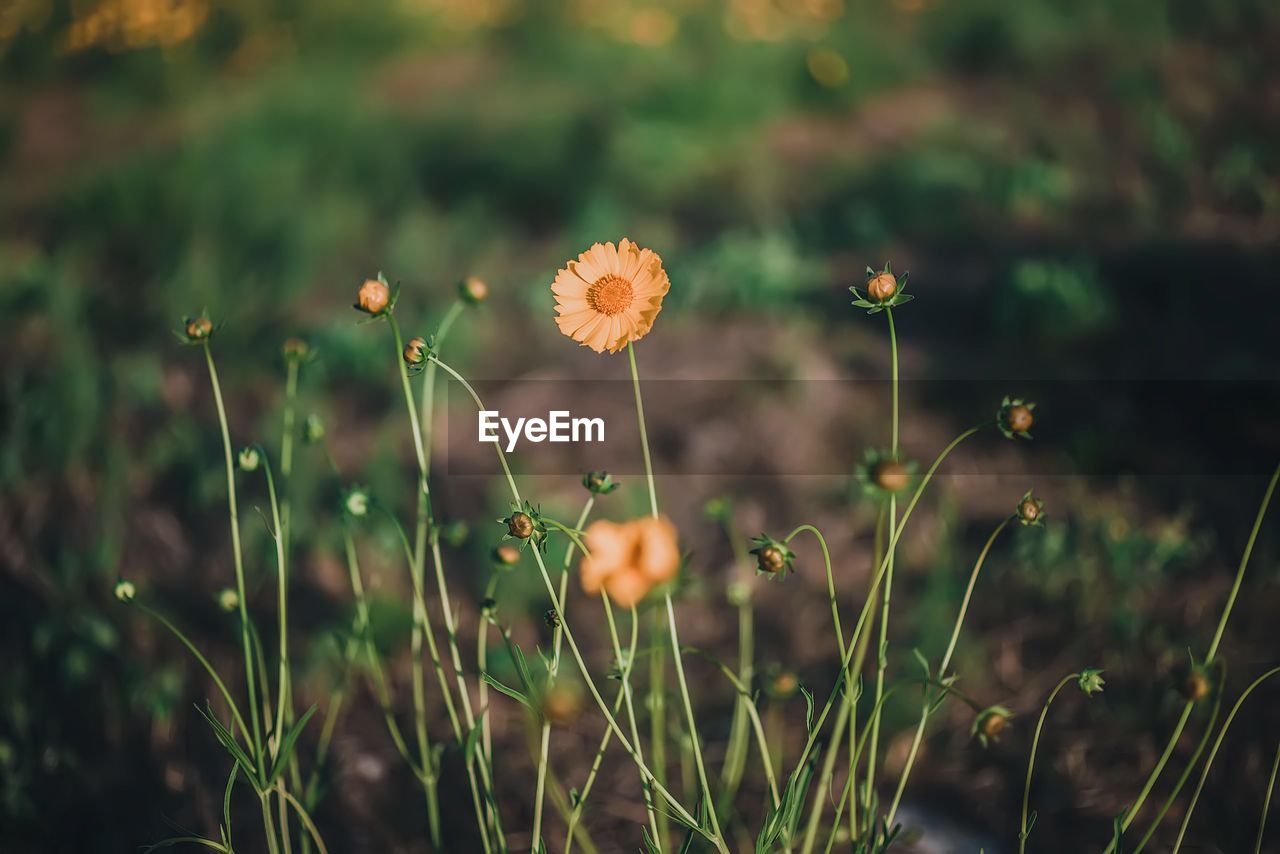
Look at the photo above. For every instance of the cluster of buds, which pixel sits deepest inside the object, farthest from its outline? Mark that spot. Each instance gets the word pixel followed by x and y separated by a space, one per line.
pixel 1015 417
pixel 525 525
pixel 883 474
pixel 773 558
pixel 416 353
pixel 884 290
pixel 376 298
pixel 1030 510
pixel 473 290
pixel 196 330
pixel 989 724
pixel 599 482
pixel 356 502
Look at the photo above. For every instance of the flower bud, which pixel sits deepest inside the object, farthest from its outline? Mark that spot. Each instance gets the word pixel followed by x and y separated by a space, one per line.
pixel 599 482
pixel 1016 417
pixel 473 289
pixel 415 352
pixel 1195 687
pixel 357 502
pixel 990 724
pixel 1091 681
pixel 488 605
pixel 228 599
pixel 782 684
pixel 772 556
pixel 520 525
pixel 198 328
pixel 770 559
pixel 313 428
pixel 295 350
pixel 882 286
pixel 551 618
pixel 374 297
pixel 506 555
pixel 125 591
pixel 249 459
pixel 1030 510
pixel 890 475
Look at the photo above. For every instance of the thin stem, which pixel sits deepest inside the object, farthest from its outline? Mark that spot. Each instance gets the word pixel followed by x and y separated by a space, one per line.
pixel 627 668
pixel 882 661
pixel 204 662
pixel 255 737
pixel 426 527
pixel 1266 801
pixel 1031 761
pixel 1195 757
pixel 283 695
pixel 1213 753
pixel 644 433
pixel 1132 812
pixel 942 669
pixel 268 824
pixel 630 705
pixel 679 809
pixel 735 761
pixel 831 584
pixel 676 651
pixel 553 670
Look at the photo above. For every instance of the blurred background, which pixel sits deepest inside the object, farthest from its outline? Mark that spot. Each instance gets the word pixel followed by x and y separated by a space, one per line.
pixel 1086 194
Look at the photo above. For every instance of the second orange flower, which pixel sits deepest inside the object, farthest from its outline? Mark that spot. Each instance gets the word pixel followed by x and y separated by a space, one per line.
pixel 629 559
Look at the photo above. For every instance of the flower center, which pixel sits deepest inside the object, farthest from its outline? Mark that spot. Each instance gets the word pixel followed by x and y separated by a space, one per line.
pixel 610 294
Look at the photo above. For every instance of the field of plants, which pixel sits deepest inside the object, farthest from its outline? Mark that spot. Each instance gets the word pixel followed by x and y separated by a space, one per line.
pixel 934 348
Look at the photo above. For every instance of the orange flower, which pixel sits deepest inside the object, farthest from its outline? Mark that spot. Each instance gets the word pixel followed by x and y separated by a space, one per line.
pixel 629 559
pixel 610 296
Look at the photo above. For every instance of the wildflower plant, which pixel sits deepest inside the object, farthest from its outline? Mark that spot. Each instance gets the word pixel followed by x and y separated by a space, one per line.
pixel 607 299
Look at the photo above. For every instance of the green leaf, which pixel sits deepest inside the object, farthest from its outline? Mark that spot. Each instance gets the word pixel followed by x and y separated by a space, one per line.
pixel 469 747
pixel 288 743
pixel 808 710
pixel 510 692
pixel 228 741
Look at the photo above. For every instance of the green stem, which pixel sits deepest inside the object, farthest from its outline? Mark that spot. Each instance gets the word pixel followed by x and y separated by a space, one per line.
pixel 1132 812
pixel 1195 758
pixel 676 806
pixel 255 736
pixel 735 761
pixel 630 705
pixel 426 528
pixel 552 671
pixel 1213 753
pixel 1266 801
pixel 882 660
pixel 942 670
pixel 676 652
pixel 204 662
pixel 268 824
pixel 1031 761
pixel 283 695
pixel 625 674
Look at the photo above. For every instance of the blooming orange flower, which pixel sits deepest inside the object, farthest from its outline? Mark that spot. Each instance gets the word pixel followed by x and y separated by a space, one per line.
pixel 629 559
pixel 610 296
